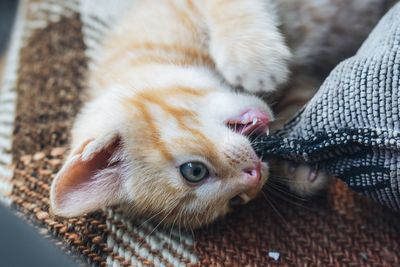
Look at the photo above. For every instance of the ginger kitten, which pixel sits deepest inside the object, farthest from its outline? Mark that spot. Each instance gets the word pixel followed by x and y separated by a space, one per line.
pixel 164 132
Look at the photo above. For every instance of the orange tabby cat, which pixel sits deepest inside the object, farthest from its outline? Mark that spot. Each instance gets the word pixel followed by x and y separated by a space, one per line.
pixel 164 133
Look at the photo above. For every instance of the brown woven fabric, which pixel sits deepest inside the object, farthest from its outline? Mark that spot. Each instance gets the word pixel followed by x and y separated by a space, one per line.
pixel 342 229
pixel 338 229
pixel 51 77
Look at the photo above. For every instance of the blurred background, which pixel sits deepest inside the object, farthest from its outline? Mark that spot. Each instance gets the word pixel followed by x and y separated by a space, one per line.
pixel 7 13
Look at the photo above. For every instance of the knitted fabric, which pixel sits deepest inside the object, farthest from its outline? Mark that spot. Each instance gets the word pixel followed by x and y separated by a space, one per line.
pixel 351 127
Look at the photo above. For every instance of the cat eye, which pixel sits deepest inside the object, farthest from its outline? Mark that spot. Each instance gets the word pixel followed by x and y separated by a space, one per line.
pixel 194 172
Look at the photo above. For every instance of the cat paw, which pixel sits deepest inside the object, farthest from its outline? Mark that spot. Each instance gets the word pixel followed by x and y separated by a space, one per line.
pixel 306 180
pixel 256 63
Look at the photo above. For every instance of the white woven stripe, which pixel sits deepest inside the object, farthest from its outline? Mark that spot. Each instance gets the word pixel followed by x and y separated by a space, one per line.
pixel 4 199
pixel 103 10
pixel 43 12
pixel 162 247
pixel 7 107
pixel 128 241
pixel 5 129
pixel 5 159
pixel 53 8
pixel 8 103
pixel 9 96
pixel 36 24
pixel 158 240
pixel 4 188
pixel 5 172
pixel 5 142
pixel 173 243
pixel 6 119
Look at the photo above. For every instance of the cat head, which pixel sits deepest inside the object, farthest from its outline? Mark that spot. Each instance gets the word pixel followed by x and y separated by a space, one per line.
pixel 178 155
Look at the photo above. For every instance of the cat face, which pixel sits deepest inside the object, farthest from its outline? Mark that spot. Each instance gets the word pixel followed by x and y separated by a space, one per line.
pixel 178 155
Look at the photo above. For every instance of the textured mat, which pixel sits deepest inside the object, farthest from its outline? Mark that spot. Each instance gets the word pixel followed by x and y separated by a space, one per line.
pixel 38 100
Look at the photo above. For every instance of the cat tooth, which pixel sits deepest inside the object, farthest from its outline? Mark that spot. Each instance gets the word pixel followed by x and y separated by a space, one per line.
pixel 255 121
pixel 245 119
pixel 267 131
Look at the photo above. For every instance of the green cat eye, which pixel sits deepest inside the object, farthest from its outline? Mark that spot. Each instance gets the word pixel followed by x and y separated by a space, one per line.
pixel 194 172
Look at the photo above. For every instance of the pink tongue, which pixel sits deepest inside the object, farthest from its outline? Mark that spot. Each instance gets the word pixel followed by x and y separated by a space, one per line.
pixel 249 122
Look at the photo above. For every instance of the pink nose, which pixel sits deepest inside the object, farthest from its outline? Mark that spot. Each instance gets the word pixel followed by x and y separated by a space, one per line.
pixel 253 174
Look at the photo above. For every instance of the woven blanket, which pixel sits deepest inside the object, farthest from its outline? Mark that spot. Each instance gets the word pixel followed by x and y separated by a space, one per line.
pixel 53 46
pixel 351 127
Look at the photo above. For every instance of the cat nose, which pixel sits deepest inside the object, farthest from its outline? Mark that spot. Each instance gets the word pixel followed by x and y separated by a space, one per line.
pixel 252 175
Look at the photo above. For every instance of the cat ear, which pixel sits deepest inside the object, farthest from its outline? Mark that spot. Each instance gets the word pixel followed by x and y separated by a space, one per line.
pixel 89 180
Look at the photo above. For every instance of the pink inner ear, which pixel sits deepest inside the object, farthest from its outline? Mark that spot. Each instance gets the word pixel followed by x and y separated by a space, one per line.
pixel 76 189
pixel 82 171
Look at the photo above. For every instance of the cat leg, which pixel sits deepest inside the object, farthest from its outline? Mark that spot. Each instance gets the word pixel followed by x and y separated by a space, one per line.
pixel 246 44
pixel 304 180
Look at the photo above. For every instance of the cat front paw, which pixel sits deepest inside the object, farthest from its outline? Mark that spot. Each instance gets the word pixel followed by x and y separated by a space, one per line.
pixel 257 64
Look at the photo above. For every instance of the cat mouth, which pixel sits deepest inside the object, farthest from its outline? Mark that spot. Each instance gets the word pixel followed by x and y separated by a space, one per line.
pixel 249 123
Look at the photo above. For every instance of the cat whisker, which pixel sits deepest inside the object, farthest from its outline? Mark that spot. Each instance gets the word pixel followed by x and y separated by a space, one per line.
pixel 181 214
pixel 179 228
pixel 149 219
pixel 197 219
pixel 179 224
pixel 156 227
pixel 286 192
pixel 256 138
pixel 170 232
pixel 280 176
pixel 193 235
pixel 255 130
pixel 287 199
pixel 286 180
pixel 275 209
